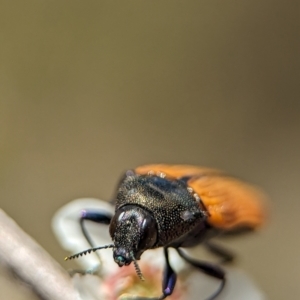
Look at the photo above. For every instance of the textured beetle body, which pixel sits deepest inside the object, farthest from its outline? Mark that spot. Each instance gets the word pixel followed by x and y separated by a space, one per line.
pixel 176 206
pixel 231 203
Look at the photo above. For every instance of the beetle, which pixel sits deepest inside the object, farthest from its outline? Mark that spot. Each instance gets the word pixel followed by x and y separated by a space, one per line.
pixel 176 206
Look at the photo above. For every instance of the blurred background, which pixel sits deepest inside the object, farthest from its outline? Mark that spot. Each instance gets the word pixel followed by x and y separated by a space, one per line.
pixel 90 89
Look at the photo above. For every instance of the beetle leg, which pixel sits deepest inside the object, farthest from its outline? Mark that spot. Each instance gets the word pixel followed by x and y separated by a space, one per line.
pixel 207 268
pixel 99 217
pixel 94 216
pixel 226 255
pixel 169 277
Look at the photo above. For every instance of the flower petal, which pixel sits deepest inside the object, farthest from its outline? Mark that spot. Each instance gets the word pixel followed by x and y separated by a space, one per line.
pixel 67 229
pixel 238 286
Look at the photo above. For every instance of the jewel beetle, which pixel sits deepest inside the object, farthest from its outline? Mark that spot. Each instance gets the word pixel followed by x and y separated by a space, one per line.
pixel 176 206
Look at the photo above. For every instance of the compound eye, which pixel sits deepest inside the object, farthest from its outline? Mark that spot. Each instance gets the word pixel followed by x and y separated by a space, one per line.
pixel 115 221
pixel 148 233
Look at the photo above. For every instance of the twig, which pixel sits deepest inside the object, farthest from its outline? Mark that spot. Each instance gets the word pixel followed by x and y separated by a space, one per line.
pixel 32 264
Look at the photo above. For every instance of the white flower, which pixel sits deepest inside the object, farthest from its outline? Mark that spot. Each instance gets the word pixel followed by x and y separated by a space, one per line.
pixel 113 282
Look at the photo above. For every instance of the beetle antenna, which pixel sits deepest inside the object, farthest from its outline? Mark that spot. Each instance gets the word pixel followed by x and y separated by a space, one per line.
pixel 137 268
pixel 88 251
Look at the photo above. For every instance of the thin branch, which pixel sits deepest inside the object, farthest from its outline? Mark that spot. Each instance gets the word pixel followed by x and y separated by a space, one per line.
pixel 32 264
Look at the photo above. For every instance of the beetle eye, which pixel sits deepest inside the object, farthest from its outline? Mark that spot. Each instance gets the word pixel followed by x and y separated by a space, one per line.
pixel 115 221
pixel 148 233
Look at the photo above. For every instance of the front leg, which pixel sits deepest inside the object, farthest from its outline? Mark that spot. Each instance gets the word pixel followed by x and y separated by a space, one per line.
pixel 100 217
pixel 169 279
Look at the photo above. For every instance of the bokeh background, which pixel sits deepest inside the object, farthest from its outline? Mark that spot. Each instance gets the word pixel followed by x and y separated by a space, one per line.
pixel 89 89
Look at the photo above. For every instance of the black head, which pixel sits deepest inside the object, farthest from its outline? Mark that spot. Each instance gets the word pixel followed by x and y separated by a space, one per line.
pixel 133 230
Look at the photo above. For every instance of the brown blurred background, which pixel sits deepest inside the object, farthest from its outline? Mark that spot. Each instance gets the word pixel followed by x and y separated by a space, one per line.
pixel 90 89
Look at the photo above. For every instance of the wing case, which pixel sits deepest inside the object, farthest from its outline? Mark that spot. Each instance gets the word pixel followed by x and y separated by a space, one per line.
pixel 231 203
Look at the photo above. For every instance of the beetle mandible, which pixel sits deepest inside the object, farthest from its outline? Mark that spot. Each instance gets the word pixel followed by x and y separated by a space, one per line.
pixel 176 206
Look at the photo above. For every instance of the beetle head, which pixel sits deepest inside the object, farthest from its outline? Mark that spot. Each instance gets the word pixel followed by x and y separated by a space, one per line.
pixel 133 230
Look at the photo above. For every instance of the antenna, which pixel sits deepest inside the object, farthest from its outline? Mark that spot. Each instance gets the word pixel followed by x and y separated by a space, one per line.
pixel 137 268
pixel 88 251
